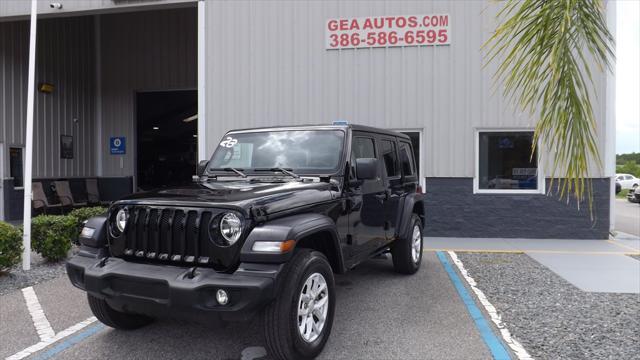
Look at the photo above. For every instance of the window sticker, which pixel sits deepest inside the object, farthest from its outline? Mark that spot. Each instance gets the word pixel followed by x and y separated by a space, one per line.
pixel 229 142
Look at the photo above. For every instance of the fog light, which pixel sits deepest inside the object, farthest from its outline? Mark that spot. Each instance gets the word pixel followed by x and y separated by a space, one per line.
pixel 222 297
pixel 87 232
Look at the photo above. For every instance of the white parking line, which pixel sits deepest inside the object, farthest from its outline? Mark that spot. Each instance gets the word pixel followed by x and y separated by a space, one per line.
pixel 517 348
pixel 43 328
pixel 44 343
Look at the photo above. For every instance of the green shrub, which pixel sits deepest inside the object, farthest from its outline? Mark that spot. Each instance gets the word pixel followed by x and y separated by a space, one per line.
pixel 52 235
pixel 629 167
pixel 10 246
pixel 83 214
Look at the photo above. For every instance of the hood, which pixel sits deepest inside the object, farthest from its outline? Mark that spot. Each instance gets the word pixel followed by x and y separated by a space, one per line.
pixel 271 196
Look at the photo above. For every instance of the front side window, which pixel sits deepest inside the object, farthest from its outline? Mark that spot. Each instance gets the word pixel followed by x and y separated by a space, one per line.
pixel 506 162
pixel 361 148
pixel 390 158
pixel 302 151
pixel 364 148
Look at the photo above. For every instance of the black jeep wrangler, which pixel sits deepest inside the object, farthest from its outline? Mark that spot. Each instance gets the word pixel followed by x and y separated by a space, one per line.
pixel 268 220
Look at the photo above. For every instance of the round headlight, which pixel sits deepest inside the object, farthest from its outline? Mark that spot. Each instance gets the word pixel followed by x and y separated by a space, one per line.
pixel 231 227
pixel 121 219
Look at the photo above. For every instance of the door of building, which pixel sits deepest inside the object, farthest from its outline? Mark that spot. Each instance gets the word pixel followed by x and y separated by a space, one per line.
pixel 167 143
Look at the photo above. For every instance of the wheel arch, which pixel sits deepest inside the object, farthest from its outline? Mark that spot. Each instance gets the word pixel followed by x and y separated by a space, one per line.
pixel 413 204
pixel 313 231
pixel 317 240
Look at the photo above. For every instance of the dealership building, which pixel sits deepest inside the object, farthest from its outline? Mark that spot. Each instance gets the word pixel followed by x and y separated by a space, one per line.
pixel 133 93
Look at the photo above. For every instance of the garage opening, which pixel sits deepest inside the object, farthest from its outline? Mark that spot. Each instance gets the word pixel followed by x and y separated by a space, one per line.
pixel 167 143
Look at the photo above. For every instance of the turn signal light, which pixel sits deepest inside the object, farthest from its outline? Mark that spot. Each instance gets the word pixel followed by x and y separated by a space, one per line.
pixel 288 245
pixel 273 246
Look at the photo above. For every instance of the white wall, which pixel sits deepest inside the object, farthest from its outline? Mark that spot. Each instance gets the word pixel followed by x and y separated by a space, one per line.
pixel 267 65
pixel 142 51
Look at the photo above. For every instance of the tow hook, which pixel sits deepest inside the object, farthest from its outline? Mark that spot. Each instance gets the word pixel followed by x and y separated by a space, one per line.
pixel 191 273
pixel 103 262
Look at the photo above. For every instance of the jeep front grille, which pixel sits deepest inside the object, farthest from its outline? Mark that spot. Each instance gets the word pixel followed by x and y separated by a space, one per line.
pixel 171 235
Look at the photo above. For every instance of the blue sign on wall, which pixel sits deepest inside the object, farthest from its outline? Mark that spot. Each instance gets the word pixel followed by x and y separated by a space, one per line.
pixel 118 145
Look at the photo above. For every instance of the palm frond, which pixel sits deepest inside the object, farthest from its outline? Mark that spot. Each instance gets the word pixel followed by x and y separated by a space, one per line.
pixel 547 50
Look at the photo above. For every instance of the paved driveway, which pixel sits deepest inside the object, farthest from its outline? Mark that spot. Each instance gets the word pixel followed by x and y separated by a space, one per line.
pixel 627 217
pixel 380 315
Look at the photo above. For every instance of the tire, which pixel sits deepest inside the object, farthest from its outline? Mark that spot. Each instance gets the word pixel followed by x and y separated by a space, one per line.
pixel 116 319
pixel 406 253
pixel 281 318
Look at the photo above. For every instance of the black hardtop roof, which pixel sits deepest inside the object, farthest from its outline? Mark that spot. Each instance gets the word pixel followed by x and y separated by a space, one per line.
pixel 354 127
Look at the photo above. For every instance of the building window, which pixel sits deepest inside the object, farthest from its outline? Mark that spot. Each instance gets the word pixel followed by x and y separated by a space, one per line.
pixel 505 163
pixel 16 168
pixel 390 158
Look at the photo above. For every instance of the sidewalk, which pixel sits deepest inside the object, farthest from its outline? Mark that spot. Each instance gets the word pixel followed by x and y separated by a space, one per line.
pixel 624 246
pixel 590 265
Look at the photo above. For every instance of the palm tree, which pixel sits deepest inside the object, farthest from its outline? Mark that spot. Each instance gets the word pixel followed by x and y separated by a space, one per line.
pixel 547 49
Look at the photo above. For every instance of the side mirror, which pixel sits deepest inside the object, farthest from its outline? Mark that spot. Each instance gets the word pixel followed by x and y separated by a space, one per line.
pixel 366 168
pixel 202 166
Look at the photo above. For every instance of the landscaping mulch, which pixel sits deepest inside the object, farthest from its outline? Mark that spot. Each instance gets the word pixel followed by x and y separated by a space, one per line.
pixel 41 270
pixel 552 318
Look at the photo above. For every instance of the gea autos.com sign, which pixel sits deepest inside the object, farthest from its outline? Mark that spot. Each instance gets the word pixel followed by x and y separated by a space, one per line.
pixel 387 31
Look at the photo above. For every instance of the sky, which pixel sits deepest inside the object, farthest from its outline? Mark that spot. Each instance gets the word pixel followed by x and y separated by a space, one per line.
pixel 627 76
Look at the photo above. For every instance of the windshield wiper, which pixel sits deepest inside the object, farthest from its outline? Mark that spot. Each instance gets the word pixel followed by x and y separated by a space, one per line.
pixel 237 171
pixel 282 170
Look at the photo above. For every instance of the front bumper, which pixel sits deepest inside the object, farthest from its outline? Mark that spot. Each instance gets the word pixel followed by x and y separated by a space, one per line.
pixel 169 291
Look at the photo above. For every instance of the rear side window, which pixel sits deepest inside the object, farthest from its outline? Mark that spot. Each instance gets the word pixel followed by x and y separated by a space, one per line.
pixel 390 158
pixel 406 160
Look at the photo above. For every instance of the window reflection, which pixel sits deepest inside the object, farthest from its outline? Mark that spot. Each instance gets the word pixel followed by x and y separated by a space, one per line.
pixel 303 151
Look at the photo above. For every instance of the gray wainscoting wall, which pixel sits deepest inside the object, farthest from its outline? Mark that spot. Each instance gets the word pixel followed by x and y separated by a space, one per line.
pixel 453 210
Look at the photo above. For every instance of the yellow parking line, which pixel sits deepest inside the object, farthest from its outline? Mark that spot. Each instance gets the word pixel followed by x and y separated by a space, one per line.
pixel 535 251
pixel 627 247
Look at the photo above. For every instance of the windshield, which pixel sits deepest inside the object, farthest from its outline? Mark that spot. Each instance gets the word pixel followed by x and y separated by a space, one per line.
pixel 302 151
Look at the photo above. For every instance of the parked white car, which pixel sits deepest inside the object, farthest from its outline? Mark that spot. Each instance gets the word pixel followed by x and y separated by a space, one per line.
pixel 627 181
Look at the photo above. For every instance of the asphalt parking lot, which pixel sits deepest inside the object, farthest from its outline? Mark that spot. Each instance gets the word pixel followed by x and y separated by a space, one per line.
pixel 380 315
pixel 627 217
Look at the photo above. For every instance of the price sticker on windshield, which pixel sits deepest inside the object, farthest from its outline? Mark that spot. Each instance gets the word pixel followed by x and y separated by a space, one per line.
pixel 229 142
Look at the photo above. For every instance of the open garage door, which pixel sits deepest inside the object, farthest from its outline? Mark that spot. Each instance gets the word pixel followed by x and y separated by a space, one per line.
pixel 167 142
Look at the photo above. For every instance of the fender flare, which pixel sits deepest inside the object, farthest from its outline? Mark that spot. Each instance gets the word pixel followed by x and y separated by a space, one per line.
pixel 293 227
pixel 407 210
